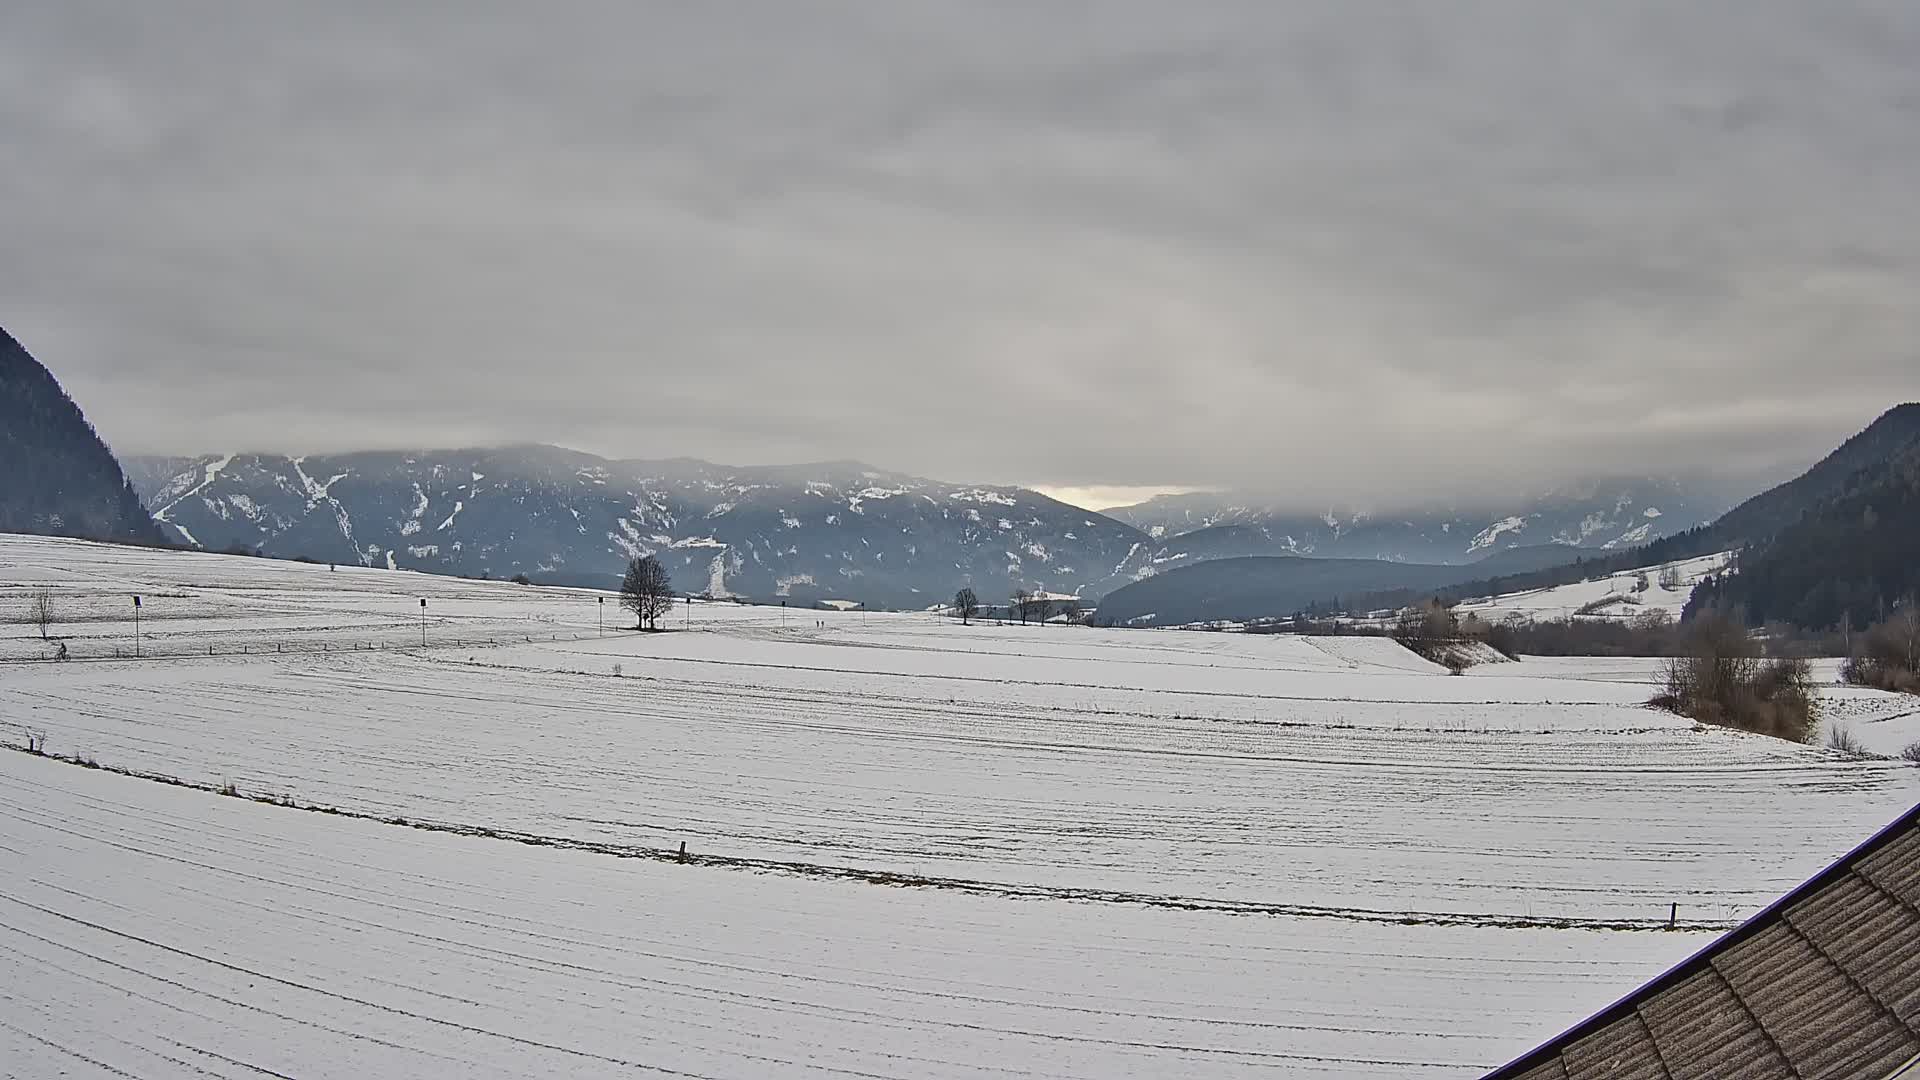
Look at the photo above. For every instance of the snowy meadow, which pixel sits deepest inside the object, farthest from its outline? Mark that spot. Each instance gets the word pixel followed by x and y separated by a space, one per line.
pixel 911 848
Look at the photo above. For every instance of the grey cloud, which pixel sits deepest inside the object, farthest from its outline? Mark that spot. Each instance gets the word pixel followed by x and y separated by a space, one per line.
pixel 1339 250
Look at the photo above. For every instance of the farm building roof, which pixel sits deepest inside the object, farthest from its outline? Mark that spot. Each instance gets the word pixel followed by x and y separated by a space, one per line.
pixel 1824 983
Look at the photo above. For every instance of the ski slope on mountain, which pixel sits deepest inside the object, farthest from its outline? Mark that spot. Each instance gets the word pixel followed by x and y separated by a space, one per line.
pixel 915 848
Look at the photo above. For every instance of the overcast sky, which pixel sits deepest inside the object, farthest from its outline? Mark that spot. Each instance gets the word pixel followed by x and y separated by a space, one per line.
pixel 1341 250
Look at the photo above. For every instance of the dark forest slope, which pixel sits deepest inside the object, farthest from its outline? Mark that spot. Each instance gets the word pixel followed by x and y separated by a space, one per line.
pixel 1848 560
pixel 56 476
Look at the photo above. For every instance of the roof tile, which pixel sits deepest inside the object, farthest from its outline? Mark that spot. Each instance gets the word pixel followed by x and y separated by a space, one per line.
pixel 1824 984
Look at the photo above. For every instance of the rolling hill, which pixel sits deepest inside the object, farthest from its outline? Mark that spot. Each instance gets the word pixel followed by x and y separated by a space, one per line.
pixel 1271 586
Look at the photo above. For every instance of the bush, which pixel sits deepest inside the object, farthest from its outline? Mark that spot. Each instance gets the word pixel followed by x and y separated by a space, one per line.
pixel 1431 631
pixel 1722 681
pixel 1596 607
pixel 1650 633
pixel 1887 655
pixel 1864 671
pixel 1912 753
pixel 1845 741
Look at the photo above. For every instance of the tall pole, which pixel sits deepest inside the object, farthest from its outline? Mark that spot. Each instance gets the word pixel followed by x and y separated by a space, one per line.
pixel 423 622
pixel 603 616
pixel 783 614
pixel 136 627
pixel 689 611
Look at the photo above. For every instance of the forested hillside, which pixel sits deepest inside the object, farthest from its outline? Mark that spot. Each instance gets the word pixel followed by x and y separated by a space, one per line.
pixel 1840 540
pixel 56 476
pixel 1848 562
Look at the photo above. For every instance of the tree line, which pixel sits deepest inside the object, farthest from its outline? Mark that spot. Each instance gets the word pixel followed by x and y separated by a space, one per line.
pixel 1023 605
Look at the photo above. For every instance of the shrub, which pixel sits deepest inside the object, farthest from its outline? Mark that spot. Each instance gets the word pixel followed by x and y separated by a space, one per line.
pixel 1887 655
pixel 1721 680
pixel 1597 607
pixel 1865 671
pixel 1845 741
pixel 1649 633
pixel 1912 753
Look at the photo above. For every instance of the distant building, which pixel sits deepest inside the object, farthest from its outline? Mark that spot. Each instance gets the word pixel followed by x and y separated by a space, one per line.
pixel 1040 606
pixel 1824 983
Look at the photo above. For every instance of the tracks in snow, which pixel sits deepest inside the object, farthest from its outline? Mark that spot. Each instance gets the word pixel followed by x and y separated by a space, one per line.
pixel 897 879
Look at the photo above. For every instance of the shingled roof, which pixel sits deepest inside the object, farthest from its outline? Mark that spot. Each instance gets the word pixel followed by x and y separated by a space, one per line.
pixel 1824 983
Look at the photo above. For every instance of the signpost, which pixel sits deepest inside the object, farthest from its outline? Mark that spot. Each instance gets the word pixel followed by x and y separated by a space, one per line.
pixel 603 616
pixel 423 622
pixel 136 627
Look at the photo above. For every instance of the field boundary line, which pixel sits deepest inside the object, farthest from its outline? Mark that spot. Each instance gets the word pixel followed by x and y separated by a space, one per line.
pixel 900 879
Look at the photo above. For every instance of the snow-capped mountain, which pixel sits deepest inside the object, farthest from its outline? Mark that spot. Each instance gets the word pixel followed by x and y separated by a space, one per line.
pixel 837 530
pixel 1610 515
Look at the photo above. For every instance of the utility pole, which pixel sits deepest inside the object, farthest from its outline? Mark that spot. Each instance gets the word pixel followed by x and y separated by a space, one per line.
pixel 423 622
pixel 136 627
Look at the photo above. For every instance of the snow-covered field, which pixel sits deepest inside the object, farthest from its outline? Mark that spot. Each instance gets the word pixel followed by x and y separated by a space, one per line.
pixel 918 849
pixel 1616 596
pixel 155 931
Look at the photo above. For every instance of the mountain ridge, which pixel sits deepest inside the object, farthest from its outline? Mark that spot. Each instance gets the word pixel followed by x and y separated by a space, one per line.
pixel 766 532
pixel 833 530
pixel 1844 483
pixel 1604 513
pixel 60 478
pixel 1844 553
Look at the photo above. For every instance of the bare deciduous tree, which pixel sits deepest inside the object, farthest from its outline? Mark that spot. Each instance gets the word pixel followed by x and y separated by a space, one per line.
pixel 40 611
pixel 1022 600
pixel 647 591
pixel 1887 655
pixel 1038 608
pixel 1722 680
pixel 966 605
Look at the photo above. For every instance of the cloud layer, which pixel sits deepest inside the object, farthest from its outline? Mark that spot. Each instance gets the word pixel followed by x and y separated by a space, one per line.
pixel 1335 250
